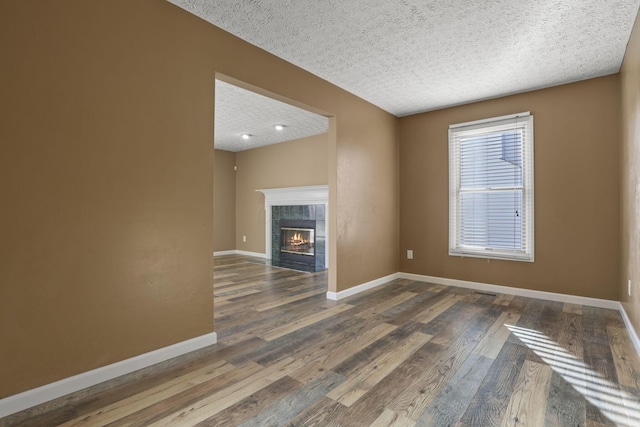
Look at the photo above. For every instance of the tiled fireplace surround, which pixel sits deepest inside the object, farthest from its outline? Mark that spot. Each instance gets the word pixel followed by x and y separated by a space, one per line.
pixel 315 213
pixel 297 203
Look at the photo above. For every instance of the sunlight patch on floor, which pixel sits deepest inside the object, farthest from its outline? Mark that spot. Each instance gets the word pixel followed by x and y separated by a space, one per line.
pixel 615 403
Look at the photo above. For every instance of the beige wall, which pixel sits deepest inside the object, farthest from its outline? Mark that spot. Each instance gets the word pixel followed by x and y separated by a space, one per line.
pixel 224 201
pixel 106 177
pixel 630 188
pixel 577 227
pixel 366 214
pixel 289 164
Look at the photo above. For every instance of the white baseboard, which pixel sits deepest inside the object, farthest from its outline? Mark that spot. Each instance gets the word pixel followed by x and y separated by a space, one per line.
pixel 19 402
pixel 239 252
pixel 551 296
pixel 220 253
pixel 630 328
pixel 254 254
pixel 335 296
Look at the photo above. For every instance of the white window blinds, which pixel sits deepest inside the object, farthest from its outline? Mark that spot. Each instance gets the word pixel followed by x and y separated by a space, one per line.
pixel 491 188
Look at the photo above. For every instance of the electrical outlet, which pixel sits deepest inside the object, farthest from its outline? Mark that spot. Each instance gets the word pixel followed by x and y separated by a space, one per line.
pixel 409 253
pixel 244 239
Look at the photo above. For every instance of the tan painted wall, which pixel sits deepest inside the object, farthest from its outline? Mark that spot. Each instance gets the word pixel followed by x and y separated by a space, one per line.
pixel 577 223
pixel 106 178
pixel 630 188
pixel 224 201
pixel 365 216
pixel 266 167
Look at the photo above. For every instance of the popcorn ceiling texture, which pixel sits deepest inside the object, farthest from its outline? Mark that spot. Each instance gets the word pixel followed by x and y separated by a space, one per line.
pixel 239 111
pixel 409 56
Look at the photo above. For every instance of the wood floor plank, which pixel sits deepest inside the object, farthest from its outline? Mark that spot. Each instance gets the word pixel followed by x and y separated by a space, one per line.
pixel 572 308
pixel 518 304
pixel 592 330
pixel 492 342
pixel 360 382
pixel 51 418
pixel 331 354
pixel 322 414
pixel 625 357
pixel 280 302
pixel 466 316
pixel 570 338
pixel 528 402
pixel 600 374
pixel 257 324
pixel 529 318
pixel 304 322
pixel 437 309
pixel 405 311
pixel 380 298
pixel 212 404
pixel 252 405
pixel 226 296
pixel 301 286
pixel 389 418
pixel 385 393
pixel 189 364
pixel 162 409
pixel 503 299
pixel 565 405
pixel 132 404
pixel 449 405
pixel 418 395
pixel 613 318
pixel 252 285
pixel 288 407
pixel 385 305
pixel 490 402
pixel 422 287
pixel 297 341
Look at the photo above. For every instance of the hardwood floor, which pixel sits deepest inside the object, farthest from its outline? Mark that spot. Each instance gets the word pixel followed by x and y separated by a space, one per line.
pixel 405 354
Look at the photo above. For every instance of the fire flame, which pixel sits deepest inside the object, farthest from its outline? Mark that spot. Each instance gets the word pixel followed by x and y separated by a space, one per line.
pixel 297 239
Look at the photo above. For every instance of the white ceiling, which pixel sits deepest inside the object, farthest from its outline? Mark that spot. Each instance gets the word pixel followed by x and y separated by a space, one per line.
pixel 410 56
pixel 239 111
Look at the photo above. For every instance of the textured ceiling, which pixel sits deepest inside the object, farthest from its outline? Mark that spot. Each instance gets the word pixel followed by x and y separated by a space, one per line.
pixel 241 111
pixel 409 56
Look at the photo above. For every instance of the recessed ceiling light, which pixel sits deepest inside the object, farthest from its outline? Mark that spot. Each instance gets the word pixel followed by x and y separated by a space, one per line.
pixel 245 136
pixel 279 127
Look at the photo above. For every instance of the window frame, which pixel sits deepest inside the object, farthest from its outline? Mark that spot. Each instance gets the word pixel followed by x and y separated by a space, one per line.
pixel 523 121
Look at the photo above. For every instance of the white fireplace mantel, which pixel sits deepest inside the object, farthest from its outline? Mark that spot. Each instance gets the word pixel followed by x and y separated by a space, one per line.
pixel 285 196
pixel 310 195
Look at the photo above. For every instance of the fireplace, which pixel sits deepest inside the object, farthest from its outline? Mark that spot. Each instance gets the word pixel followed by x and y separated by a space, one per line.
pixel 297 204
pixel 295 240
pixel 298 241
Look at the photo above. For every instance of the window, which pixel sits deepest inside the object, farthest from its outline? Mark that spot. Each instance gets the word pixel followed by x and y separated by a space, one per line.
pixel 491 188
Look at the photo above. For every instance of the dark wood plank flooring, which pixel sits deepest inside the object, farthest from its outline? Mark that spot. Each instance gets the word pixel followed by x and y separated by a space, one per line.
pixel 404 354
